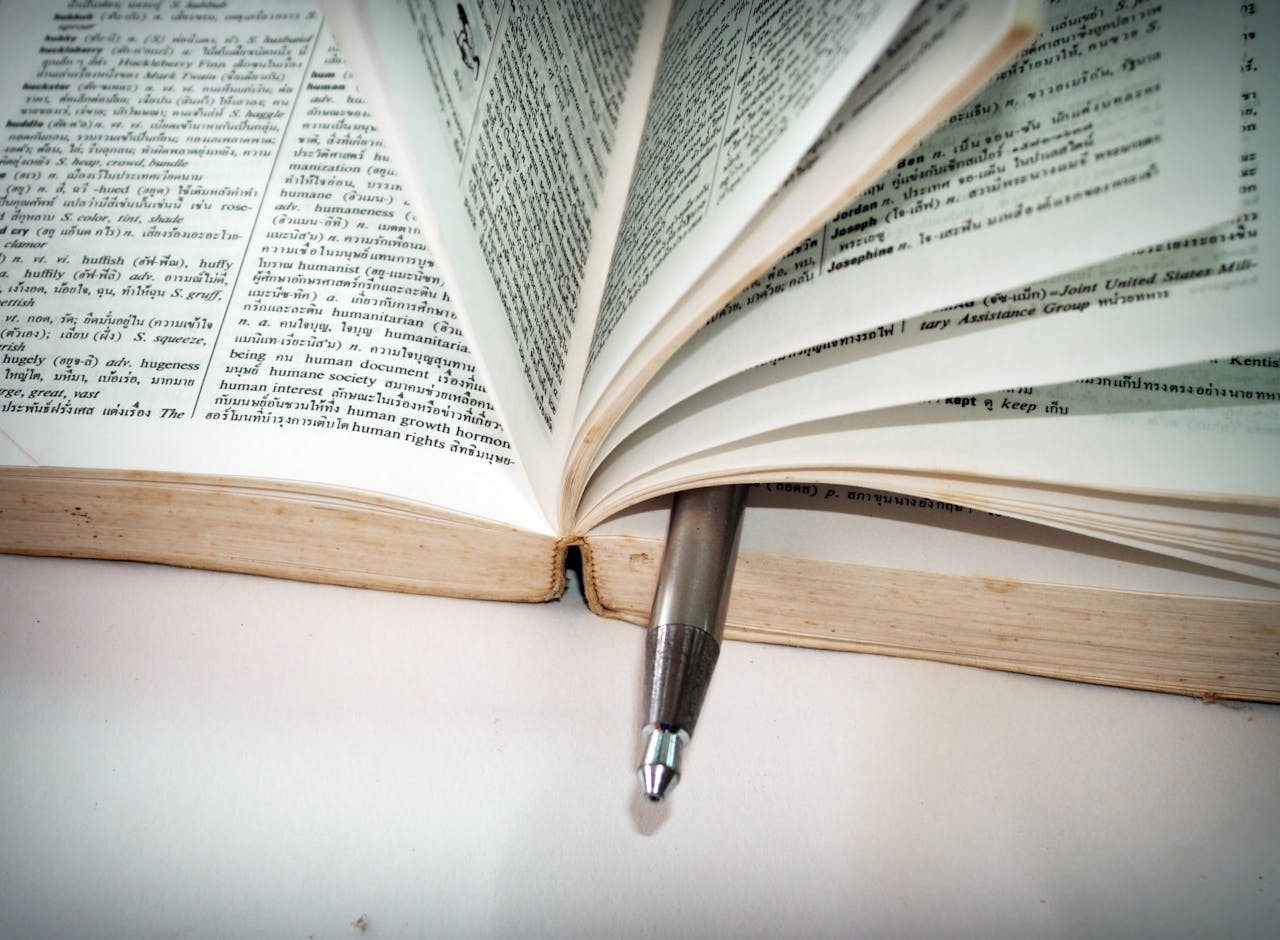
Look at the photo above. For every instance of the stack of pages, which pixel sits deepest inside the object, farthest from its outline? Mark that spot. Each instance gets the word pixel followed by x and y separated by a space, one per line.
pixel 419 295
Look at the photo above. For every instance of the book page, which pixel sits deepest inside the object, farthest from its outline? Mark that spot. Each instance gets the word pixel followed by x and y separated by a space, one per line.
pixel 514 124
pixel 1212 293
pixel 743 90
pixel 880 528
pixel 1112 133
pixel 1208 432
pixel 208 265
pixel 943 54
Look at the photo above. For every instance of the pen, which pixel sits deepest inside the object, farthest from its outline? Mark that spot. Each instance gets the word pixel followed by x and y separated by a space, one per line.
pixel 686 626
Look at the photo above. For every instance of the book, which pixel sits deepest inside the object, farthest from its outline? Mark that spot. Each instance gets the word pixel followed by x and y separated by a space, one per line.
pixel 977 295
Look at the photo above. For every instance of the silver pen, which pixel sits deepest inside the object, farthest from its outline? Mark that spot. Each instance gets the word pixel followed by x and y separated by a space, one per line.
pixel 686 625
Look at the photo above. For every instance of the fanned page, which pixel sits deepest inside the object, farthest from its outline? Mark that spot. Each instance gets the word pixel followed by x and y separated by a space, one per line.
pixel 1205 431
pixel 516 126
pixel 1180 461
pixel 208 266
pixel 743 90
pixel 1112 133
pixel 942 55
pixel 524 153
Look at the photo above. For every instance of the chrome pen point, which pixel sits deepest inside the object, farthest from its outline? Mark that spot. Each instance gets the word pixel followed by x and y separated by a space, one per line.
pixel 660 769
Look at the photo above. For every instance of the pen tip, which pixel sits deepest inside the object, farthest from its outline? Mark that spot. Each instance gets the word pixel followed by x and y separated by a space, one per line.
pixel 657 780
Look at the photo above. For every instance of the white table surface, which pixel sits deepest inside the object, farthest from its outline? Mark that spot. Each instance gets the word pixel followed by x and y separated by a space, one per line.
pixel 193 754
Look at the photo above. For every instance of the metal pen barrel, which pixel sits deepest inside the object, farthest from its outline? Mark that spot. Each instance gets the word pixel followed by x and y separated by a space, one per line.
pixel 686 625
